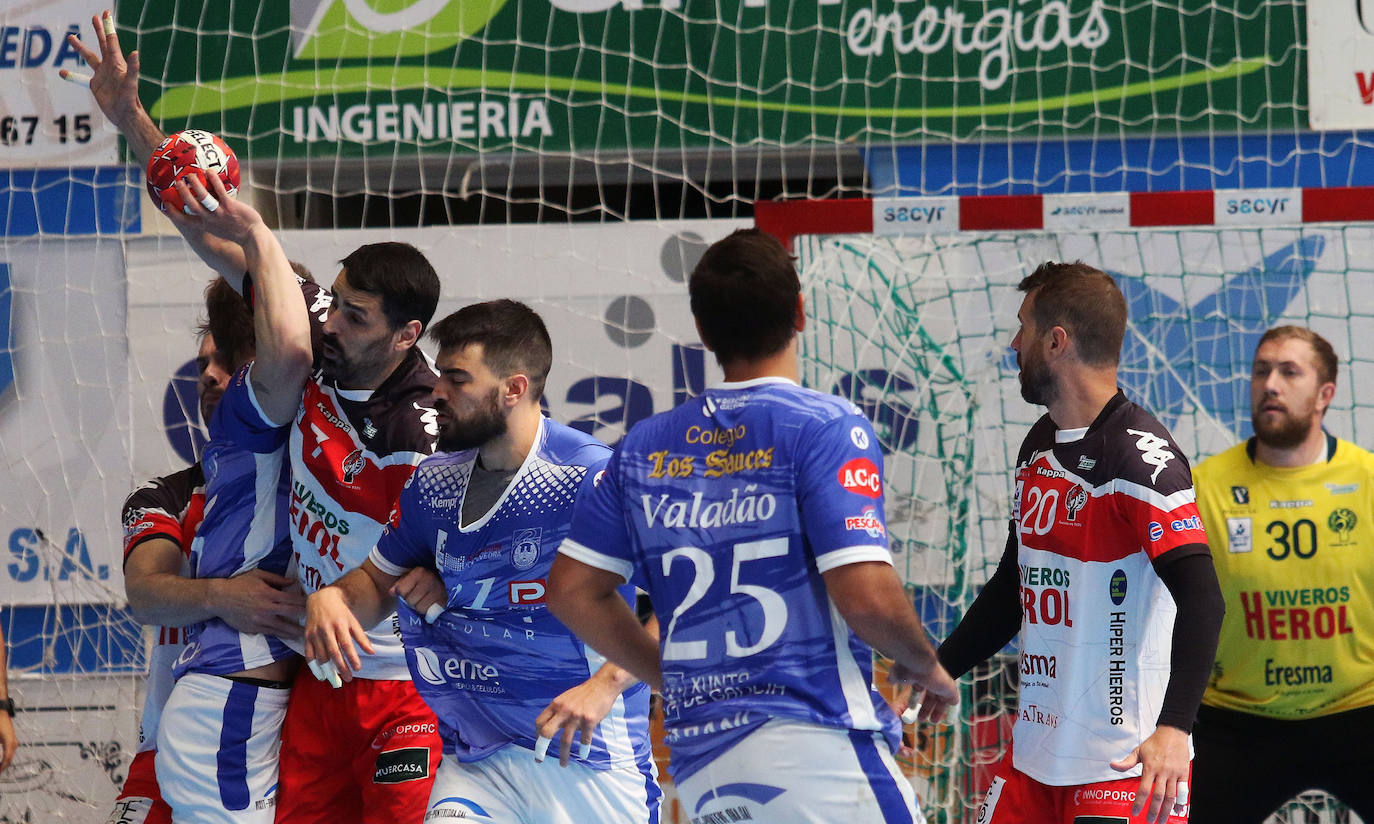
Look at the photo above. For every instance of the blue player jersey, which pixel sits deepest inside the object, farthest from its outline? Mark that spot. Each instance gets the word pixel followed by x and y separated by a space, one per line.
pixel 247 481
pixel 727 510
pixel 496 657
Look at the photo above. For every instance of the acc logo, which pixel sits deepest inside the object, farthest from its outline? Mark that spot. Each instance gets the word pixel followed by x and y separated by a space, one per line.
pixel 1116 587
pixel 525 547
pixel 527 592
pixel 354 464
pixel 1156 531
pixel 861 477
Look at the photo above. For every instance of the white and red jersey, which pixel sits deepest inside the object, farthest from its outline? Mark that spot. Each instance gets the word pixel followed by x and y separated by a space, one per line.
pixel 170 508
pixel 351 453
pixel 1092 509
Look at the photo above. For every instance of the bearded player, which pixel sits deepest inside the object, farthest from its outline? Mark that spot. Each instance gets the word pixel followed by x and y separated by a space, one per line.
pixel 1106 576
pixel 1291 512
pixel 503 675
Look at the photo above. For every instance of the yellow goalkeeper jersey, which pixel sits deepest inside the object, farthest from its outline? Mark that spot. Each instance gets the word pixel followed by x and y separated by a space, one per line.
pixel 1294 550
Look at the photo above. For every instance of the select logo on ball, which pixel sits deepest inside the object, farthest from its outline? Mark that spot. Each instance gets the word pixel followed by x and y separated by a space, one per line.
pixel 191 153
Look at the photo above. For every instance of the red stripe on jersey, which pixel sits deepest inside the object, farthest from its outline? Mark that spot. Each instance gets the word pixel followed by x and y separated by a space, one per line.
pixel 1059 514
pixel 339 463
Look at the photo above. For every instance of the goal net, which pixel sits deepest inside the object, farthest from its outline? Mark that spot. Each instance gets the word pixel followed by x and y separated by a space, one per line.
pixel 915 330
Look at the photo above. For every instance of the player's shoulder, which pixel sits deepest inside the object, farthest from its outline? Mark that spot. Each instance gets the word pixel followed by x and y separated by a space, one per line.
pixel 1228 462
pixel 572 447
pixel 792 400
pixel 1347 454
pixel 169 492
pixel 1138 448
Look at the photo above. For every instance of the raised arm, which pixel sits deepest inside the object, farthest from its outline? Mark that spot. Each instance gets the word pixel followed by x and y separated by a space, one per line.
pixel 280 322
pixel 114 85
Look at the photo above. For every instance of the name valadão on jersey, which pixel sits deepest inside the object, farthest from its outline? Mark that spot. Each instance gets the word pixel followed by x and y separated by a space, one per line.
pixel 750 506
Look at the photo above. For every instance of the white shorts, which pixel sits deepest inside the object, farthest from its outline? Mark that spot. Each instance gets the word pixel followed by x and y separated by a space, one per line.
pixel 510 787
pixel 790 771
pixel 217 750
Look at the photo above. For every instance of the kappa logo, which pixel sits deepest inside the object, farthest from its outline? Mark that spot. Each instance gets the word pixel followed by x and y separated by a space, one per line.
pixel 1153 451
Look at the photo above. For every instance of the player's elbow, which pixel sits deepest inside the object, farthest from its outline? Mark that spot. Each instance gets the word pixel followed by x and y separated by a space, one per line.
pixel 566 592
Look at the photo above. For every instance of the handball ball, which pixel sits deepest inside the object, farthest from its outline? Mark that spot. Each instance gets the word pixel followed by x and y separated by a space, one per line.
pixel 186 154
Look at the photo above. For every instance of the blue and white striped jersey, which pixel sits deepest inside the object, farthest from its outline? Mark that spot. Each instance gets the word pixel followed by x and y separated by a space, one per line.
pixel 247 481
pixel 727 510
pixel 496 657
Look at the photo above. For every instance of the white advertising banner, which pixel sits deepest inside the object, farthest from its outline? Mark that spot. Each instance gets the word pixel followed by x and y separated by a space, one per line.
pixel 45 120
pixel 64 420
pixel 1340 69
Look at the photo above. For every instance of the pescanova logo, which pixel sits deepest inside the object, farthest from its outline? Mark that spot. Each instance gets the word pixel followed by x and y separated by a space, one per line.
pixel 7 350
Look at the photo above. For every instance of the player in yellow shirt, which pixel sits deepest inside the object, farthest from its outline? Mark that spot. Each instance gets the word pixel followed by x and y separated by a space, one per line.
pixel 1290 513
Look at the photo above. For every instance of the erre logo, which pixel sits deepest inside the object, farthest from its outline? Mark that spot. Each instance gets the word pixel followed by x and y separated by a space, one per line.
pixel 861 477
pixel 436 672
pixel 1153 450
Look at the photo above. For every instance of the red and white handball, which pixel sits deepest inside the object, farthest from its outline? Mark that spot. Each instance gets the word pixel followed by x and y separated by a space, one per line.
pixel 186 154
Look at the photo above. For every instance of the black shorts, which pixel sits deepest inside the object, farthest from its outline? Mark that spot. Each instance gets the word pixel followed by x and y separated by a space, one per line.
pixel 1246 766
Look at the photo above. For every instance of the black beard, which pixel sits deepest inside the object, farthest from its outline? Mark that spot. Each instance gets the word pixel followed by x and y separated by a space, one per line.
pixel 477 430
pixel 1038 384
pixel 1285 433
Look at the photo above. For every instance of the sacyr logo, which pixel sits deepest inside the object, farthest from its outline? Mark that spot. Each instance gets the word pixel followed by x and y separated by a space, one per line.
pixel 329 29
pixel 6 300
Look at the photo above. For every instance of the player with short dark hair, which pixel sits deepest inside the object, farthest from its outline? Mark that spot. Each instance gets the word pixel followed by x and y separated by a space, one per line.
pixel 753 516
pixel 1292 514
pixel 363 424
pixel 205 568
pixel 502 674
pixel 1106 578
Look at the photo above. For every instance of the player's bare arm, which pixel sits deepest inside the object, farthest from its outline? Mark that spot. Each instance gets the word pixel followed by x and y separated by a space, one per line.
pixel 423 590
pixel 578 710
pixel 255 602
pixel 1163 783
pixel 9 742
pixel 586 600
pixel 114 85
pixel 280 319
pixel 335 617
pixel 872 601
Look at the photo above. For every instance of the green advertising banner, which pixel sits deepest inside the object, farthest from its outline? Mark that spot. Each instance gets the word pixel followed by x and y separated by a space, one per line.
pixel 321 78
